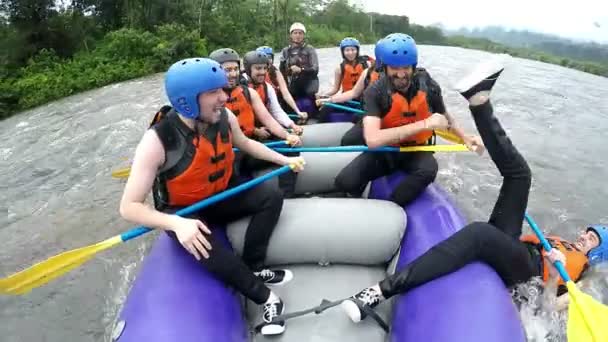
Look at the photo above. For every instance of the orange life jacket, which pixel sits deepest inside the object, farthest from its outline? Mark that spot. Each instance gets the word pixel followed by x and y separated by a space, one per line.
pixel 403 113
pixel 372 76
pixel 269 80
pixel 196 166
pixel 350 74
pixel 239 103
pixel 262 90
pixel 576 261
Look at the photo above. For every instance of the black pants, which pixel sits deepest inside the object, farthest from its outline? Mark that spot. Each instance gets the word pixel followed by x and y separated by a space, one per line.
pixel 495 242
pixel 421 167
pixel 263 202
pixel 303 86
pixel 246 165
pixel 354 136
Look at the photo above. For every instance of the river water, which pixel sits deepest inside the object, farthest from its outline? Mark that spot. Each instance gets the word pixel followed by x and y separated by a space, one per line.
pixel 57 191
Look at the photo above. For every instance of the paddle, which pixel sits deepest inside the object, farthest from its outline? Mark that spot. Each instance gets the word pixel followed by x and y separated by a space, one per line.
pixel 587 318
pixel 361 148
pixel 124 172
pixel 346 108
pixel 54 267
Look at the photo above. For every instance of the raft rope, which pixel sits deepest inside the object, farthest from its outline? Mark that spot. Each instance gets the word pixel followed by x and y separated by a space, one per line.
pixel 325 304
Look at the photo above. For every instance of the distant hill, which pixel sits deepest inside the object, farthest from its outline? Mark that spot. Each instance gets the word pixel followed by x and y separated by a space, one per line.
pixel 586 51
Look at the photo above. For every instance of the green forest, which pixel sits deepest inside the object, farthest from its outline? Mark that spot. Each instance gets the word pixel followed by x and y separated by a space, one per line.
pixel 55 48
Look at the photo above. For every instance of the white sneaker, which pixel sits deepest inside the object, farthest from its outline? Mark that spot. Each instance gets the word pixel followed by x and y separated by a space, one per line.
pixel 482 78
pixel 271 310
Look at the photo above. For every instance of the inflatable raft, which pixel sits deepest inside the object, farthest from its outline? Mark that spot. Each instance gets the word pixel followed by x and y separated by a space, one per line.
pixel 308 105
pixel 335 247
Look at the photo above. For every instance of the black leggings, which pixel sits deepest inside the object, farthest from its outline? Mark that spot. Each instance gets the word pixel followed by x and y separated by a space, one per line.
pixel 246 165
pixel 354 136
pixel 421 166
pixel 264 202
pixel 495 242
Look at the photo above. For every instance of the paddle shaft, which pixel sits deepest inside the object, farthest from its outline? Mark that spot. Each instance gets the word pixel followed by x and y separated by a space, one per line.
pixel 137 231
pixel 346 108
pixel 361 148
pixel 547 247
pixel 268 144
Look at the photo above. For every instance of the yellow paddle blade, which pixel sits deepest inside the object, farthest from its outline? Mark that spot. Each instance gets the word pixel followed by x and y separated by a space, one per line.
pixel 45 271
pixel 449 136
pixel 122 173
pixel 435 148
pixel 587 318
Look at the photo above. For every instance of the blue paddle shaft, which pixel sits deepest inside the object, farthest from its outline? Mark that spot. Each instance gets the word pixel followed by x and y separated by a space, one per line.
pixel 354 103
pixel 135 232
pixel 360 148
pixel 269 144
pixel 547 247
pixel 346 108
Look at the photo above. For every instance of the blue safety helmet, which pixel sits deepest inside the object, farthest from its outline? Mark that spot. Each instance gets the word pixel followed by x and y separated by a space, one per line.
pixel 188 78
pixel 349 42
pixel 397 50
pixel 266 50
pixel 599 253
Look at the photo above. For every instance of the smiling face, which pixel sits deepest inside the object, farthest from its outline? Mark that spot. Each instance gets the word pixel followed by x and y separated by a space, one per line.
pixel 232 70
pixel 258 73
pixel 350 53
pixel 211 104
pixel 400 77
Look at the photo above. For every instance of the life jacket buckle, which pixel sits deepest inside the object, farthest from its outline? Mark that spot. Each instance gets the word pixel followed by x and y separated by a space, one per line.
pixel 218 158
pixel 216 175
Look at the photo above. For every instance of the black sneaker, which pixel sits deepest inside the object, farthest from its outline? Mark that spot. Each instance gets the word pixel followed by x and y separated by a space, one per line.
pixel 275 277
pixel 353 306
pixel 272 310
pixel 482 78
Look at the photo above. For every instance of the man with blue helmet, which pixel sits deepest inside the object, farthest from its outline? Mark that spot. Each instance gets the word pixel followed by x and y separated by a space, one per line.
pixel 403 108
pixel 188 156
pixel 499 242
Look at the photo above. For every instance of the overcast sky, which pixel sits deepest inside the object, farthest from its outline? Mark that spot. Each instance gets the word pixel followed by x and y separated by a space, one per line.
pixel 577 19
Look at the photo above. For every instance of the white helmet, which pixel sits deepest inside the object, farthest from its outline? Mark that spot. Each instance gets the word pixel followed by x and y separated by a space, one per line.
pixel 297 26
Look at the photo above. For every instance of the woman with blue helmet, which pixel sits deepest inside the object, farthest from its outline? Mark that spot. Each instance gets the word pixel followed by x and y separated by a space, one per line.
pixel 354 136
pixel 275 78
pixel 499 243
pixel 346 75
pixel 350 69
pixel 188 156
pixel 403 108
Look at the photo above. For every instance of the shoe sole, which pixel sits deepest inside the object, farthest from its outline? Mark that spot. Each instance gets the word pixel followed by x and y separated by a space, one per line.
pixel 352 310
pixel 480 73
pixel 288 277
pixel 274 329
